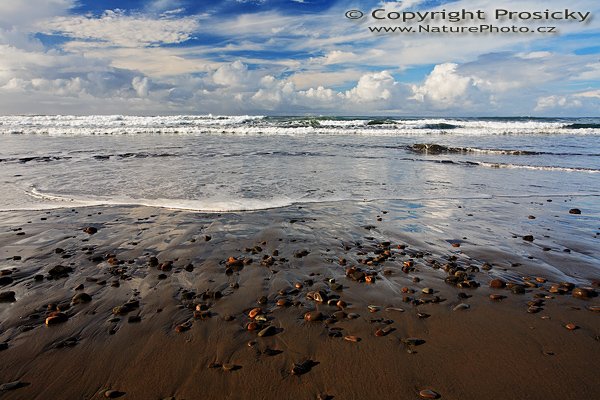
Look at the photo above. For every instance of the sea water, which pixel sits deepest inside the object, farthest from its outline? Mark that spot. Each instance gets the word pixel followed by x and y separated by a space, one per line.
pixel 237 163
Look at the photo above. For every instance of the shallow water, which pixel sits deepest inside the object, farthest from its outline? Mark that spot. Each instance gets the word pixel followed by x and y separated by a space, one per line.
pixel 247 163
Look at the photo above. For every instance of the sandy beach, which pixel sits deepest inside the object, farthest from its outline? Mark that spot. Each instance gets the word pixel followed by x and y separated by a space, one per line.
pixel 346 300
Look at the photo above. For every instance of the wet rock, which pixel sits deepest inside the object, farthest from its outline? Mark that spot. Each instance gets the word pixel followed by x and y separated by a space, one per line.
pixel 283 303
pixel 593 308
pixel 183 327
pixel 528 238
pixel 497 297
pixel 571 326
pixel 303 367
pixel 411 341
pixel 60 271
pixel 301 253
pixel 575 211
pixel 81 298
pixel 313 316
pixel 319 296
pixel 352 338
pixel 429 394
pixel 227 367
pixel 268 331
pixel 254 312
pixel 461 306
pixel 90 230
pixel 134 319
pixel 113 394
pixel 3 346
pixel 6 280
pixel 584 292
pixel 12 385
pixel 427 290
pixel 56 318
pixel 383 331
pixel 497 284
pixel 518 289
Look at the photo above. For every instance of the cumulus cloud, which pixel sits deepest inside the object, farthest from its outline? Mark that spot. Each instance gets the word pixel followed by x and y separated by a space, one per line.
pixel 445 87
pixel 372 87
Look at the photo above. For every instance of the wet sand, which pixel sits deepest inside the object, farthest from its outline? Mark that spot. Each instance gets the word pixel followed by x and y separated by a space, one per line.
pixel 170 293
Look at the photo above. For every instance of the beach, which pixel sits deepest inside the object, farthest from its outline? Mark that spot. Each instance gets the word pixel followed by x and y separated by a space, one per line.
pixel 397 293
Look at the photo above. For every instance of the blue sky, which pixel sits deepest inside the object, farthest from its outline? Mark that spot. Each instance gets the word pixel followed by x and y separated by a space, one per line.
pixel 293 57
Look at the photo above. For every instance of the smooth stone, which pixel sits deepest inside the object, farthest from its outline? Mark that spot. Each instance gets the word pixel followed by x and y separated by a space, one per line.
pixel 575 211
pixel 352 338
pixel 7 297
pixel 313 316
pixel 518 289
pixel 6 280
pixel 268 331
pixel 528 238
pixel 11 385
pixel 56 318
pixel 571 326
pixel 90 230
pixel 81 298
pixel 427 290
pixel 594 308
pixel 496 297
pixel 254 312
pixel 229 367
pixel 113 394
pixel 461 306
pixel 412 341
pixel 583 293
pixel 497 284
pixel 429 394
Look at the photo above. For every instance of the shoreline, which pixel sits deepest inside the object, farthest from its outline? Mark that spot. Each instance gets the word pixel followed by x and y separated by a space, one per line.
pixel 456 341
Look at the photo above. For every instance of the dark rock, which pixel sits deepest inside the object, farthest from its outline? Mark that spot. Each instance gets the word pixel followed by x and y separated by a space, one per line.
pixel 90 230
pixel 429 394
pixel 497 284
pixel 60 271
pixel 6 280
pixel 81 298
pixel 575 211
pixel 313 316
pixel 584 293
pixel 12 385
pixel 7 297
pixel 528 238
pixel 113 394
pixel 56 317
pixel 268 331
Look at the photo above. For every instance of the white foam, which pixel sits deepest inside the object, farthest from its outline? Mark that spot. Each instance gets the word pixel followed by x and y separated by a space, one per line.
pixel 259 125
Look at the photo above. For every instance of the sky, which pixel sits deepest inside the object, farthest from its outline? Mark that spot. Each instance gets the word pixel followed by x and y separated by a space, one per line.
pixel 295 57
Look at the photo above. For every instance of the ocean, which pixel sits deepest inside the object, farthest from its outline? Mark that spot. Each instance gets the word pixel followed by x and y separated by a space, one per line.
pixel 240 163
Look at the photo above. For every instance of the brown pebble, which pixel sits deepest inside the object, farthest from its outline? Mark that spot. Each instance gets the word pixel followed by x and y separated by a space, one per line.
pixel 182 328
pixel 497 297
pixel 313 316
pixel 56 317
pixel 583 293
pixel 254 312
pixel 352 338
pixel 252 326
pixel 112 394
pixel 429 394
pixel 497 284
pixel 90 230
pixel 283 303
pixel 571 326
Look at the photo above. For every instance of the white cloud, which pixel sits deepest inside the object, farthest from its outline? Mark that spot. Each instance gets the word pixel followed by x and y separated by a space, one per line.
pixel 372 87
pixel 116 28
pixel 444 87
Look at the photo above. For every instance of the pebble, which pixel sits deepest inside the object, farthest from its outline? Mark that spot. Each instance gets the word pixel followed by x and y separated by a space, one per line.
pixel 254 312
pixel 528 238
pixel 397 309
pixel 182 327
pixel 373 308
pixel 11 385
pixel 497 297
pixel 112 394
pixel 518 289
pixel 461 306
pixel 56 317
pixel 411 341
pixel 351 338
pixel 429 394
pixel 283 303
pixel 427 290
pixel 594 308
pixel 229 367
pixel 497 284
pixel 81 298
pixel 575 211
pixel 383 331
pixel 7 297
pixel 313 316
pixel 571 326
pixel 90 230
pixel 268 331
pixel 583 293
